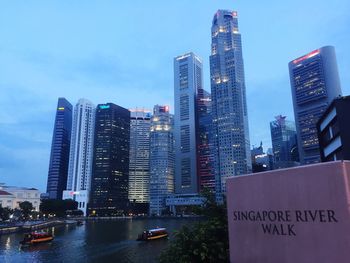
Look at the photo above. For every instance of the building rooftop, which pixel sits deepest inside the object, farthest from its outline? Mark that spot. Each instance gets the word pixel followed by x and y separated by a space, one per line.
pixel 2 192
pixel 5 187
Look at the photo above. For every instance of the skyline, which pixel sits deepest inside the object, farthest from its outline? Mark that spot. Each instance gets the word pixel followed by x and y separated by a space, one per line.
pixel 74 56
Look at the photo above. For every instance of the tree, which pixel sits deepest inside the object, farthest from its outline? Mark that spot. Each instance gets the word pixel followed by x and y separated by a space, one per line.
pixel 70 204
pixel 26 208
pixel 57 207
pixel 5 213
pixel 206 241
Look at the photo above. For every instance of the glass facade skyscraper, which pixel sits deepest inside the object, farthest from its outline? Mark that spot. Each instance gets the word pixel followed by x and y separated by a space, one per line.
pixel 80 156
pixel 205 169
pixel 315 83
pixel 229 106
pixel 283 137
pixel 109 186
pixel 161 159
pixel 59 157
pixel 140 125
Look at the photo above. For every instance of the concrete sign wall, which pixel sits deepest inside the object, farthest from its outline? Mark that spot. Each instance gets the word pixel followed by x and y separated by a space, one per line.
pixel 292 215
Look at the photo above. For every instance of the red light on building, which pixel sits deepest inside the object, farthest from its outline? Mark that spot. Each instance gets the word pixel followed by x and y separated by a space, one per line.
pixel 163 108
pixel 234 14
pixel 310 55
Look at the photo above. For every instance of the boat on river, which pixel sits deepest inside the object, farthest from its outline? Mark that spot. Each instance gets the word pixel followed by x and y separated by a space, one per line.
pixel 36 238
pixel 153 234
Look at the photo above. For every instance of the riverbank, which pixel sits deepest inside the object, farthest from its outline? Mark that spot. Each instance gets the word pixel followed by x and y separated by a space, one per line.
pixel 137 217
pixel 29 226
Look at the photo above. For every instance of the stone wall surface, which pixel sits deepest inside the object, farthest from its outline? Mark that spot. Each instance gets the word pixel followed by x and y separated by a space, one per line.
pixel 291 215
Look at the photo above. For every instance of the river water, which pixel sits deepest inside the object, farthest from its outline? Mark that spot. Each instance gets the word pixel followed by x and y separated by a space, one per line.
pixel 95 241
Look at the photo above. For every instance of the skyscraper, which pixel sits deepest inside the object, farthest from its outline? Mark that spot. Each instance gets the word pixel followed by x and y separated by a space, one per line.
pixel 283 137
pixel 109 186
pixel 161 158
pixel 188 80
pixel 229 106
pixel 205 169
pixel 315 83
pixel 80 157
pixel 59 158
pixel 140 125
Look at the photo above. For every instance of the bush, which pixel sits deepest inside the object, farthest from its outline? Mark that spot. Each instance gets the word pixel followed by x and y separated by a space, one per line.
pixel 206 241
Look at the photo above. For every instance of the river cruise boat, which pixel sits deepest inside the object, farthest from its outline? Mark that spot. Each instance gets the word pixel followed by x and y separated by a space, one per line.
pixel 36 238
pixel 153 234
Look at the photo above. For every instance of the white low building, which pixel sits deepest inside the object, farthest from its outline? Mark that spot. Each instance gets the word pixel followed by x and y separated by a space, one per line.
pixel 175 200
pixel 12 196
pixel 6 199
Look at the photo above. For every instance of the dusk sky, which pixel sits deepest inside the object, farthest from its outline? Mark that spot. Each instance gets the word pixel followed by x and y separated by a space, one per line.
pixel 122 52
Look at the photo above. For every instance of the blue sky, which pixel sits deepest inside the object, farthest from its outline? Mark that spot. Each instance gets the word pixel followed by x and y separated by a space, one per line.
pixel 122 52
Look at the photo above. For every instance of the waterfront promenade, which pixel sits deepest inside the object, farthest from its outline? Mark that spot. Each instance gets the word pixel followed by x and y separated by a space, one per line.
pixel 21 226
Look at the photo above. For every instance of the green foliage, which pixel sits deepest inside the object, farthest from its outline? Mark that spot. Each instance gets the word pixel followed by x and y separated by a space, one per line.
pixel 26 208
pixel 206 241
pixel 5 213
pixel 57 207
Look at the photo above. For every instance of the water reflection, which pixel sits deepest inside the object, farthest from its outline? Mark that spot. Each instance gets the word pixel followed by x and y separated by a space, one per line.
pixel 8 243
pixel 38 247
pixel 95 241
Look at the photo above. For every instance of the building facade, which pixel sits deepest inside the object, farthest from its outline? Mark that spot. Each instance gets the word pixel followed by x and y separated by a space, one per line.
pixel 283 137
pixel 188 80
pixel 334 131
pixel 205 146
pixel 80 156
pixel 12 196
pixel 192 127
pixel 261 161
pixel 229 106
pixel 162 159
pixel 140 125
pixel 177 203
pixel 59 157
pixel 109 187
pixel 315 83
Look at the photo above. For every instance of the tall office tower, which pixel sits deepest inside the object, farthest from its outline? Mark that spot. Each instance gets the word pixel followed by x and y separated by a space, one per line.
pixel 228 93
pixel 161 158
pixel 109 186
pixel 315 83
pixel 80 157
pixel 140 125
pixel 59 158
pixel 188 81
pixel 283 137
pixel 205 171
